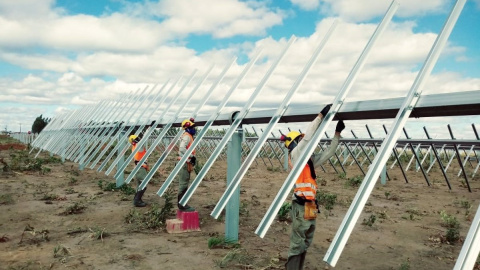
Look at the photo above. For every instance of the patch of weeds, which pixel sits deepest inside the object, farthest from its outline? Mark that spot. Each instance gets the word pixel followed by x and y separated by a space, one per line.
pixel 387 194
pixel 76 208
pixel 284 212
pixel 45 170
pixel 326 199
pixel 154 218
pixel 61 253
pixel 274 169
pixel 6 199
pixel 112 186
pixel 236 257
pixel 74 172
pixel 370 221
pixel 405 265
pixel 383 215
pixel 33 236
pixel 465 205
pixel 243 209
pixel 452 234
pixel 70 191
pixel 413 214
pixel 354 181
pixel 342 175
pixel 221 242
pixel 98 233
pixel 72 181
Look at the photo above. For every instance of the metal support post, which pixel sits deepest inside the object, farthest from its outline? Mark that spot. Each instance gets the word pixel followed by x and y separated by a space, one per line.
pixel 234 154
pixel 120 179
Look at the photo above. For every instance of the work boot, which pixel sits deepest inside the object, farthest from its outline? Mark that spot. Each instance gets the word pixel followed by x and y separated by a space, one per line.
pixel 302 259
pixel 137 200
pixel 186 208
pixel 294 262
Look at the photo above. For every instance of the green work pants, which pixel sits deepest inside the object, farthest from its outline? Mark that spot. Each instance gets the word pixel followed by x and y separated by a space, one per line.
pixel 302 231
pixel 183 179
pixel 141 174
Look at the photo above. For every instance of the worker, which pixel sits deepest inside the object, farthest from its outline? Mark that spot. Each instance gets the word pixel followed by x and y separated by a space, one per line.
pixel 184 176
pixel 142 172
pixel 304 205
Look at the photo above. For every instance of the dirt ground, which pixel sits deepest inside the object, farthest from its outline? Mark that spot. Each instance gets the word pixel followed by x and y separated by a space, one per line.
pixel 61 218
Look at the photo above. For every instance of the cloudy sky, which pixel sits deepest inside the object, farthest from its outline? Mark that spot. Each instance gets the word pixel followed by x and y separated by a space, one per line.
pixel 59 55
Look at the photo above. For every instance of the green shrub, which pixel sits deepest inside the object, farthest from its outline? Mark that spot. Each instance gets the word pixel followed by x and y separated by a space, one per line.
pixel 154 218
pixel 452 234
pixel 328 200
pixel 284 212
pixel 354 181
pixel 370 221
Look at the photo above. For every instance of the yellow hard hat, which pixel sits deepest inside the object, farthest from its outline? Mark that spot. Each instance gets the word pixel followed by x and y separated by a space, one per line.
pixel 291 136
pixel 133 138
pixel 188 123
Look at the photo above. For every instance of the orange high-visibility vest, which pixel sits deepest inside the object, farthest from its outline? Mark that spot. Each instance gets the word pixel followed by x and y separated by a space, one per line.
pixel 188 145
pixel 306 186
pixel 139 155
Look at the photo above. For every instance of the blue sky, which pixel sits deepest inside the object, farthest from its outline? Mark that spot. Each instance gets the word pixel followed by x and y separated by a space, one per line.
pixel 59 55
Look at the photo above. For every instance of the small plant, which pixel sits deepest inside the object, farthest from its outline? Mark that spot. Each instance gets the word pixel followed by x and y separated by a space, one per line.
pixel 76 208
pixel 405 265
pixel 284 212
pixel 453 227
pixel 243 209
pixel 60 251
pixel 72 181
pixel 354 181
pixel 221 242
pixel 342 175
pixel 465 205
pixel 36 236
pixel 98 233
pixel 387 194
pixel 6 199
pixel 328 200
pixel 413 213
pixel 273 169
pixel 370 221
pixel 46 170
pixel 49 197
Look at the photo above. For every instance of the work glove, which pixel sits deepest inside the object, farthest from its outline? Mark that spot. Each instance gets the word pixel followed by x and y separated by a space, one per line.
pixel 326 109
pixel 340 126
pixel 193 160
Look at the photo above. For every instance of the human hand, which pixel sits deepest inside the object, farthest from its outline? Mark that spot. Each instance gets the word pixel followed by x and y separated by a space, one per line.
pixel 193 160
pixel 326 109
pixel 340 126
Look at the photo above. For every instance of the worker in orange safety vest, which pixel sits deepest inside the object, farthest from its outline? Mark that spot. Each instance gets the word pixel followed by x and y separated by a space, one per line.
pixel 142 172
pixel 304 204
pixel 184 176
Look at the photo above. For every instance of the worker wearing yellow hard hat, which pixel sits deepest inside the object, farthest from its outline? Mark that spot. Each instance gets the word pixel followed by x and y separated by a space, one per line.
pixel 304 204
pixel 184 176
pixel 142 172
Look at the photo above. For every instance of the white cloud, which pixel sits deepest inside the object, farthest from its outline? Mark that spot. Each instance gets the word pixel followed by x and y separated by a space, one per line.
pixel 306 4
pixel 130 52
pixel 367 9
